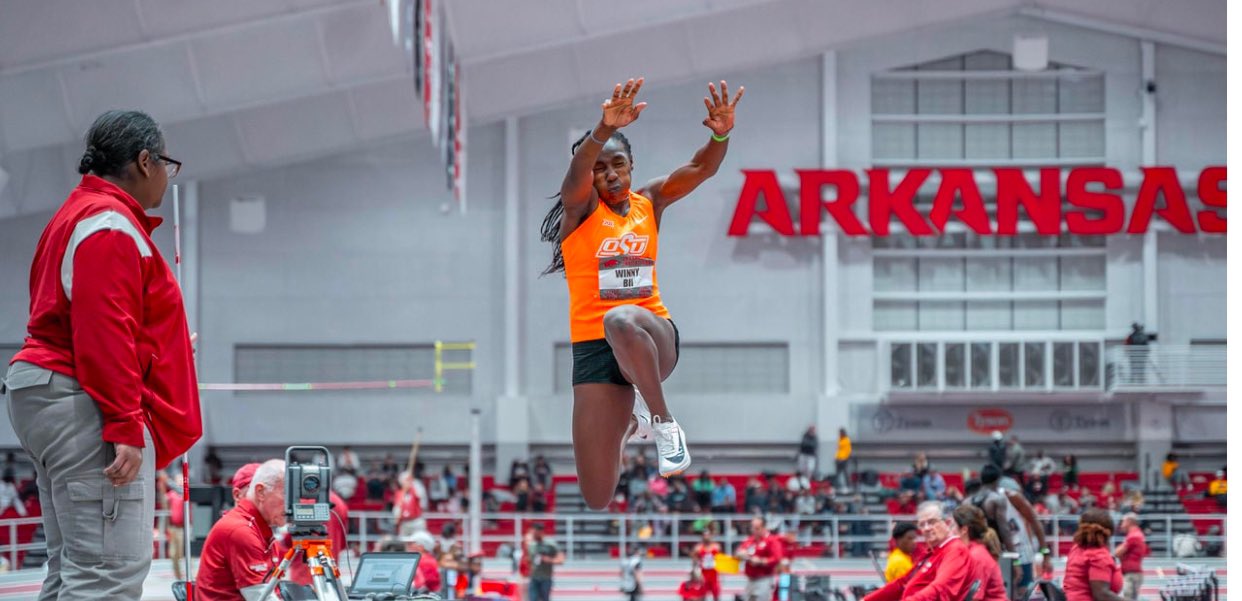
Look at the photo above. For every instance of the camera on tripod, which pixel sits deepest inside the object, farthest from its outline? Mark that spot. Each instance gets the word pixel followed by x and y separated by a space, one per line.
pixel 308 482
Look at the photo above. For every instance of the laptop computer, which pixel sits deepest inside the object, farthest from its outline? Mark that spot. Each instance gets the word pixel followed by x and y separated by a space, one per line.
pixel 384 573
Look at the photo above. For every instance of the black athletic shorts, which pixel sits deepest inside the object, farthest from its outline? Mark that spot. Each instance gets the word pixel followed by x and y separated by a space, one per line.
pixel 594 361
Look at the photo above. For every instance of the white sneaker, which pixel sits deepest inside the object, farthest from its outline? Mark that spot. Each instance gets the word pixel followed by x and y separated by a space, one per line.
pixel 671 447
pixel 642 415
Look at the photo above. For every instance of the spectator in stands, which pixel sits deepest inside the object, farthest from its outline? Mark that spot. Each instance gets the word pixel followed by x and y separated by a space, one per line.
pixel 1174 474
pixel 1218 488
pixel 996 452
pixel 933 485
pixel 544 554
pixel 703 560
pixel 1041 468
pixel 389 466
pixel 1015 459
pixel 678 499
pixel 845 449
pixel 438 492
pixel 521 491
pixel 761 554
pixel 1131 553
pixel 703 490
pixel 11 498
pixel 808 452
pixel 797 482
pixel 1090 573
pixel 348 460
pixel 756 497
pixel 1069 473
pixel 538 498
pixel 10 465
pixel 921 466
pixel 985 551
pixel 724 497
pixel 1138 337
pixel 542 471
pixel 944 574
pixel 237 557
pixel 906 503
pixel 518 470
pixel 901 558
pixel 345 483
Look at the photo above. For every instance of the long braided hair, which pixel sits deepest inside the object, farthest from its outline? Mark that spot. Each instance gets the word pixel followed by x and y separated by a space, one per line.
pixel 550 231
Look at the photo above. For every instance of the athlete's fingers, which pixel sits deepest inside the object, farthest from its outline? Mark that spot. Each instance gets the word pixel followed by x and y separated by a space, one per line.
pixel 638 108
pixel 637 86
pixel 711 87
pixel 740 91
pixel 629 85
pixel 724 91
pixel 616 92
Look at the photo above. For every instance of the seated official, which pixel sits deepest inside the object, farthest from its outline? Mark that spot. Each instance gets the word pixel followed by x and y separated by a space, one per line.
pixel 944 574
pixel 237 556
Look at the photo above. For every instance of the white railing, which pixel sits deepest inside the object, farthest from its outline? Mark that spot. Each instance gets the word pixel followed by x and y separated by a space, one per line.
pixel 1158 366
pixel 844 536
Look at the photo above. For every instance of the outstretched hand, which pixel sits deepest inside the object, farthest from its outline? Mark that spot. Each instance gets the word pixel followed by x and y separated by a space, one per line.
pixel 620 110
pixel 719 109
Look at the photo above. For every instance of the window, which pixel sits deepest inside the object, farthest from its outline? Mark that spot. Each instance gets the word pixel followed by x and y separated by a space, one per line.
pixel 1011 365
pixel 975 109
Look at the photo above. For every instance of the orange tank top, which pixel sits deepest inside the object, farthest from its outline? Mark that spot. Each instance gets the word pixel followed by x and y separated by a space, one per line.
pixel 610 261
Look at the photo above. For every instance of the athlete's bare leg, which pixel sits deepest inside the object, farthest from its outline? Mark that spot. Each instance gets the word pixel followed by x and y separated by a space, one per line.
pixel 601 424
pixel 646 350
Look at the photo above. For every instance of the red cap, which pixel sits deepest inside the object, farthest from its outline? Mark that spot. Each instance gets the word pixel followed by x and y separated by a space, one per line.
pixel 245 473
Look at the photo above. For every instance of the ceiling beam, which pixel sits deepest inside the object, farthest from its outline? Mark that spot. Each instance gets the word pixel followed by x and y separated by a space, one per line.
pixel 186 37
pixel 1141 33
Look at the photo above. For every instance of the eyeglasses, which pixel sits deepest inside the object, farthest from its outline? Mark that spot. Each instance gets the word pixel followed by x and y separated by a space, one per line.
pixel 925 524
pixel 172 166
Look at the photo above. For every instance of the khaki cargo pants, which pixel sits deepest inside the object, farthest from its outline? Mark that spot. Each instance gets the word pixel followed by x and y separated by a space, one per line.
pixel 99 537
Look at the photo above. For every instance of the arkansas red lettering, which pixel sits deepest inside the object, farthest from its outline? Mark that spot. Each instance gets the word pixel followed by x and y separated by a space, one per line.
pixel 1091 202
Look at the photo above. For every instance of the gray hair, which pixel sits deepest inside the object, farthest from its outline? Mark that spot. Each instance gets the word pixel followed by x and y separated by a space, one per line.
pixel 1133 517
pixel 269 474
pixel 115 139
pixel 929 504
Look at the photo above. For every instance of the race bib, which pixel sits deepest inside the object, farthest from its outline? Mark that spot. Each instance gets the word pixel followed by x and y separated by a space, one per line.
pixel 709 561
pixel 626 277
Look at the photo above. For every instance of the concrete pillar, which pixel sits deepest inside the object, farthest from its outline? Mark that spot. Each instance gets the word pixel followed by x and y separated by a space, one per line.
pixel 1154 434
pixel 512 408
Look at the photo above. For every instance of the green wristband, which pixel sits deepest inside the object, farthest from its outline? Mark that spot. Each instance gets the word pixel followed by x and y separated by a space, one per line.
pixel 720 138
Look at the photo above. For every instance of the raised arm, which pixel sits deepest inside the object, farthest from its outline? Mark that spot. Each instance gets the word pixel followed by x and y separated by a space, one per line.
pixel 618 111
pixel 674 186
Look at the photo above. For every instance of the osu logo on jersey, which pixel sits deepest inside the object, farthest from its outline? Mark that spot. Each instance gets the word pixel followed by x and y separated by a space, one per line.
pixel 628 244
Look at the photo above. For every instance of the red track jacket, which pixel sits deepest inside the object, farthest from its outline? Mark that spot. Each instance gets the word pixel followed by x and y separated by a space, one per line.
pixel 106 310
pixel 944 575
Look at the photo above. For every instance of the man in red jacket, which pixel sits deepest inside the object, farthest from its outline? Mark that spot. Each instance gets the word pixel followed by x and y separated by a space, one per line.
pixel 944 574
pixel 761 553
pixel 103 391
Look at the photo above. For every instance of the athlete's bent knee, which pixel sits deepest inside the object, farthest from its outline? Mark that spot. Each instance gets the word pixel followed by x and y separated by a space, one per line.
pixel 621 321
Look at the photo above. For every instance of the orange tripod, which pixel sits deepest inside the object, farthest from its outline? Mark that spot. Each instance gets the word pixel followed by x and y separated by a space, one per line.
pixel 325 575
